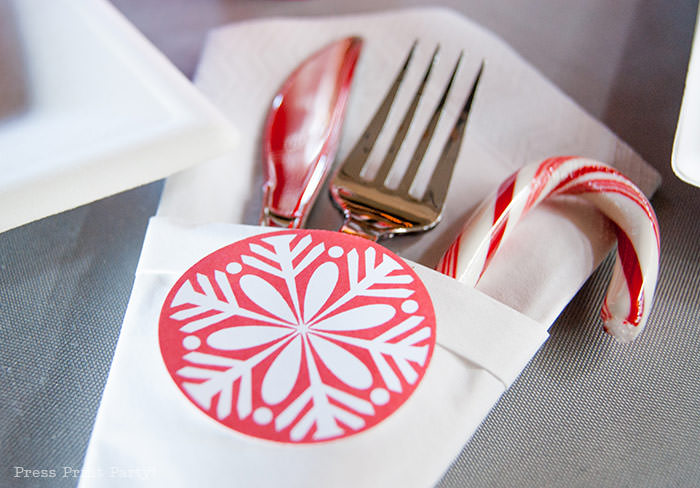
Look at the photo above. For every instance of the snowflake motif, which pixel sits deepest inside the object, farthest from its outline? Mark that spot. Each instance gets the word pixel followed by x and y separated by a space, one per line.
pixel 298 336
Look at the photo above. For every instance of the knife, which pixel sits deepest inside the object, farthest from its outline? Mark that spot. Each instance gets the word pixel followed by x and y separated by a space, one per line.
pixel 302 132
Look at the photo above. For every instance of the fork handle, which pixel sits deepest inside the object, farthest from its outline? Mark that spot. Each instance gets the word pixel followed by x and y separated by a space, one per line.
pixel 359 228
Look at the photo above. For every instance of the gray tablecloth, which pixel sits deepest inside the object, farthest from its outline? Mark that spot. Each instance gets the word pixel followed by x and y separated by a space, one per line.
pixel 586 412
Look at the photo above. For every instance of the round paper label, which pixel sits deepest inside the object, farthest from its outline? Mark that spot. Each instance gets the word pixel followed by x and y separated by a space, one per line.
pixel 298 336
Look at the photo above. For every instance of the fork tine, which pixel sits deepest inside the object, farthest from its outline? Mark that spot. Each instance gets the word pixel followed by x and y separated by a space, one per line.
pixel 358 155
pixel 419 153
pixel 440 179
pixel 400 135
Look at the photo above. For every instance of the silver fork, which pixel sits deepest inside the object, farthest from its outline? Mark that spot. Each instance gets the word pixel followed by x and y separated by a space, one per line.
pixel 373 210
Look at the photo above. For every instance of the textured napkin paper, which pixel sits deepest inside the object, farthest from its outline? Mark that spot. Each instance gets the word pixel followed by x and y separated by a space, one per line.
pixel 146 423
pixel 518 117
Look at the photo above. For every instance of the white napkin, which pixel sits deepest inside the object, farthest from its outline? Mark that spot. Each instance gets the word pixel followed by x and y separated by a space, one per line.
pixel 145 423
pixel 147 433
pixel 517 117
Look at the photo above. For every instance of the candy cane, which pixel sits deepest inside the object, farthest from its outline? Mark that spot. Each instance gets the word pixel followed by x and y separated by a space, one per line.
pixel 630 293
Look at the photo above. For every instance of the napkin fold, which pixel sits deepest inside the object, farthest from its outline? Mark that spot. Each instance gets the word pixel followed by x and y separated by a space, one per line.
pixel 517 117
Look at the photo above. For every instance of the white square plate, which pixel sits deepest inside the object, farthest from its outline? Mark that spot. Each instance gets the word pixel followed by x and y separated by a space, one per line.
pixel 88 108
pixel 685 159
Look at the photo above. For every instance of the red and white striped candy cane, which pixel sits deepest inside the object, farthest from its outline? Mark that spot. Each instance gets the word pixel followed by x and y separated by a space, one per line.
pixel 630 293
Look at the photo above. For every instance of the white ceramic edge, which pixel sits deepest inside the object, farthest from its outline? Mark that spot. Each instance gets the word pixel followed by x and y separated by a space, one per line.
pixel 203 134
pixel 686 144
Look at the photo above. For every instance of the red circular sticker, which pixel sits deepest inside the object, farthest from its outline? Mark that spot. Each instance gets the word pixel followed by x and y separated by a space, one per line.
pixel 298 336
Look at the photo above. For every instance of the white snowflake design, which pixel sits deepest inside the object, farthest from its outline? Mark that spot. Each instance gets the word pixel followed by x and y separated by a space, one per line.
pixel 299 336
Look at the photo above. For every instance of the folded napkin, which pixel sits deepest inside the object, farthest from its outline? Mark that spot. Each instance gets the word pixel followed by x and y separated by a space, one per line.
pixel 517 117
pixel 177 435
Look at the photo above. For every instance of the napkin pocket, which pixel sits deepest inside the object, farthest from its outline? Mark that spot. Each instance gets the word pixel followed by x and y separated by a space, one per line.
pixel 149 431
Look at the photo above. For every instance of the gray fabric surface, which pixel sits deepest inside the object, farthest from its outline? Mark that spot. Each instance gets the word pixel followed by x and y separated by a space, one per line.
pixel 64 286
pixel 586 412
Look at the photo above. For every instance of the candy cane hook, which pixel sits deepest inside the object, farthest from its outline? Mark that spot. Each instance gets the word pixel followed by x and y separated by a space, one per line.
pixel 630 293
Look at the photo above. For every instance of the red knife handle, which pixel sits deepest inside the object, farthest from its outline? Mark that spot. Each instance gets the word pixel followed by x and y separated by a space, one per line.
pixel 302 132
